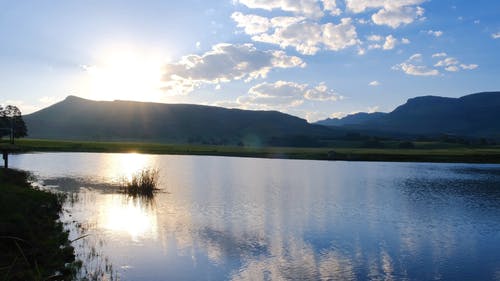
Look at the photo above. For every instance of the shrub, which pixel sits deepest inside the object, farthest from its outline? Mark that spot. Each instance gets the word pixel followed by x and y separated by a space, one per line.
pixel 142 183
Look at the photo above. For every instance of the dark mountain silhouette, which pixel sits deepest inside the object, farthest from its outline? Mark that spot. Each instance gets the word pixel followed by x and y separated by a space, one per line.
pixel 352 119
pixel 77 118
pixel 475 115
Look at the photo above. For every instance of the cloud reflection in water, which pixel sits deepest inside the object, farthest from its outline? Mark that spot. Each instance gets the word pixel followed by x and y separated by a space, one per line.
pixel 243 219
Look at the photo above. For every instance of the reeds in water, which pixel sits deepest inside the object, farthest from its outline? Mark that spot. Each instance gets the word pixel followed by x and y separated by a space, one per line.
pixel 143 183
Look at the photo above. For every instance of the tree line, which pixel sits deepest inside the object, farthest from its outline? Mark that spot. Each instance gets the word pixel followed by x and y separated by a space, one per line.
pixel 12 123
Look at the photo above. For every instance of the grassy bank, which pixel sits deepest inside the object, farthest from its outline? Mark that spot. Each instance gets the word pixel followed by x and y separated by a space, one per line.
pixel 33 245
pixel 422 152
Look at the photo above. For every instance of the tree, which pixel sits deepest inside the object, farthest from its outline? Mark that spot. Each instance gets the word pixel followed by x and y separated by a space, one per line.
pixel 4 126
pixel 12 123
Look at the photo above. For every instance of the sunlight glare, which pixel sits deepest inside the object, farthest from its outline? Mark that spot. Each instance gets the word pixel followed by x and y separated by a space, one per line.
pixel 129 216
pixel 125 74
pixel 125 165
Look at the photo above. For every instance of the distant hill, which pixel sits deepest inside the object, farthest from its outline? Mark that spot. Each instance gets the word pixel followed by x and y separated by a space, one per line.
pixel 77 118
pixel 475 115
pixel 352 119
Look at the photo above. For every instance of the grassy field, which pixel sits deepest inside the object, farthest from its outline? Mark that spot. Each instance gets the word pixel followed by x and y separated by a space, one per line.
pixel 33 244
pixel 423 151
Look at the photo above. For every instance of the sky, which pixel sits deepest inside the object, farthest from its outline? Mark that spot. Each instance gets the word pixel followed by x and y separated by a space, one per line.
pixel 314 59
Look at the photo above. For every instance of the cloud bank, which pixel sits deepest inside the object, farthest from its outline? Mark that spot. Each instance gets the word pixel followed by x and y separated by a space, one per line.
pixel 393 13
pixel 285 94
pixel 224 63
pixel 309 30
pixel 414 65
pixel 306 36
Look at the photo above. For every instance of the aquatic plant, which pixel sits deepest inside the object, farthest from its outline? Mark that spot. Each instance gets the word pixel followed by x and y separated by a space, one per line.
pixel 143 183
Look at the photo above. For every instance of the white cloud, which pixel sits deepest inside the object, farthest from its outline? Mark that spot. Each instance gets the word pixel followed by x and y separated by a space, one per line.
pixel 305 37
pixel 321 93
pixel 452 68
pixel 331 6
pixel 446 62
pixel 413 66
pixel 272 95
pixel 469 66
pixel 337 37
pixel 375 38
pixel 313 116
pixel 390 42
pixel 374 83
pixel 224 63
pixel 405 41
pixel 309 37
pixel 495 35
pixel 438 55
pixel 283 22
pixel 338 115
pixel 415 57
pixel 359 6
pixel 416 70
pixel 285 94
pixel 389 12
pixel 374 46
pixel 435 33
pixel 252 24
pixel 363 21
pixel 452 64
pixel 372 109
pixel 308 8
pixel 394 17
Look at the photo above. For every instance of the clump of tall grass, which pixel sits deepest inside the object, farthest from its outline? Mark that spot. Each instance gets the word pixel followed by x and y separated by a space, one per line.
pixel 142 183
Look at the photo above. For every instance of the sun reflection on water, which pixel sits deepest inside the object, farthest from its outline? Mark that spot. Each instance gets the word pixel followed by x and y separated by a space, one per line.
pixel 125 165
pixel 126 215
pixel 133 216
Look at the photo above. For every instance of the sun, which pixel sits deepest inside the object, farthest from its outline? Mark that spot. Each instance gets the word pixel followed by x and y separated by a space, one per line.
pixel 123 74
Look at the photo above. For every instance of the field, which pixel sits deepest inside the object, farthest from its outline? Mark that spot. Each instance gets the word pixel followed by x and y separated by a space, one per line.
pixel 422 152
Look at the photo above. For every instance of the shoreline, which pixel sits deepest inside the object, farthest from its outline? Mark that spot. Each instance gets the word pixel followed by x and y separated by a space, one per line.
pixel 423 152
pixel 33 241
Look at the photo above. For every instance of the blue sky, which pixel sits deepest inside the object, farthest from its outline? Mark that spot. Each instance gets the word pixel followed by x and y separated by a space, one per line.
pixel 313 59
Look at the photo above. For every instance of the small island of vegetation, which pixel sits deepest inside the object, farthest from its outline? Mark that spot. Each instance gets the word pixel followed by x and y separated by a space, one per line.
pixel 144 183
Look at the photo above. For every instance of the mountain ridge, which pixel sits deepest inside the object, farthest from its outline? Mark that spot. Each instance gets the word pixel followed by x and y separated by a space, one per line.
pixel 79 118
pixel 73 118
pixel 473 115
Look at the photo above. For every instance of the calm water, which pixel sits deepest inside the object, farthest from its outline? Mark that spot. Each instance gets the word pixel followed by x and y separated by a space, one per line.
pixel 223 218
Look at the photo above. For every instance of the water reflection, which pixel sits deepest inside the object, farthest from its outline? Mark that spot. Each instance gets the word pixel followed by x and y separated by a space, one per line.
pixel 261 219
pixel 125 165
pixel 135 216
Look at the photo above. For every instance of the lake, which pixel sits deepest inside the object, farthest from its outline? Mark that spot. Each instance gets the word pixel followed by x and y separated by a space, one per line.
pixel 229 218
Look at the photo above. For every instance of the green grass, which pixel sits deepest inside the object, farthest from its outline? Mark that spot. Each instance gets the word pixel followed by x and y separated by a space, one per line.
pixel 423 151
pixel 33 244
